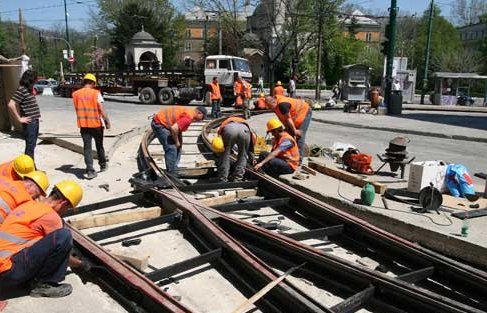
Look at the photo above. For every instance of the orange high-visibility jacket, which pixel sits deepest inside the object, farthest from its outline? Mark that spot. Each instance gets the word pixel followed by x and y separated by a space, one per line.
pixel 247 89
pixel 236 119
pixel 260 103
pixel 168 116
pixel 291 156
pixel 7 170
pixel 87 109
pixel 215 91
pixel 278 91
pixel 16 234
pixel 12 194
pixel 239 92
pixel 299 109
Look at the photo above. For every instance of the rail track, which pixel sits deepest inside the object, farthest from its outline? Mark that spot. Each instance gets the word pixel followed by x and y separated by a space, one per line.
pixel 246 241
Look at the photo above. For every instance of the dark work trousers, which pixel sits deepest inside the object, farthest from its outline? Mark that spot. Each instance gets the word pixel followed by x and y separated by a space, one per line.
pixel 31 132
pixel 172 155
pixel 234 134
pixel 45 261
pixel 276 166
pixel 304 128
pixel 88 134
pixel 215 108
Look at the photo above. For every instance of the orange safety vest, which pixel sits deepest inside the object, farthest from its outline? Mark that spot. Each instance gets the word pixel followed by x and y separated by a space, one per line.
pixel 278 91
pixel 247 89
pixel 87 109
pixel 168 116
pixel 291 156
pixel 12 194
pixel 236 119
pixel 260 104
pixel 238 91
pixel 299 109
pixel 215 91
pixel 7 170
pixel 16 234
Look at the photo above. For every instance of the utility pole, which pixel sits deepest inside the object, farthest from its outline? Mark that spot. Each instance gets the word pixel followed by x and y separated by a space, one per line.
pixel 220 33
pixel 427 54
pixel 205 36
pixel 67 33
pixel 320 48
pixel 391 35
pixel 21 34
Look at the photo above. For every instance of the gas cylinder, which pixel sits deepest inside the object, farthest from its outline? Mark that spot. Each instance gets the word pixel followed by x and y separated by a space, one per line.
pixel 367 194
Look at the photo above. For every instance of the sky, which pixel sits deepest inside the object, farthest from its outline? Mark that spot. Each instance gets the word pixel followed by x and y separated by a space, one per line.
pixel 49 14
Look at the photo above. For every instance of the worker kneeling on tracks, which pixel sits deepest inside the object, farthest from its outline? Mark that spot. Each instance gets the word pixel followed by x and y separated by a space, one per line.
pixel 295 114
pixel 168 126
pixel 15 193
pixel 284 157
pixel 234 131
pixel 35 247
pixel 18 167
pixel 88 104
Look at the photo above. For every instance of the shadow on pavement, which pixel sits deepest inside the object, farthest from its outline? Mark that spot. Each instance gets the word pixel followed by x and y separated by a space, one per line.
pixel 70 169
pixel 469 121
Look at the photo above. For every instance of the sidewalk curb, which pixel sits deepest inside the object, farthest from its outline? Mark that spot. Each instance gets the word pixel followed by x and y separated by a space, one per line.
pixel 404 131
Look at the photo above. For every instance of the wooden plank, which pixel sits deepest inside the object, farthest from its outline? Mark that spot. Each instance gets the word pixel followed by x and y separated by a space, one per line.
pixel 229 196
pixel 346 176
pixel 115 217
pixel 308 170
pixel 132 256
pixel 471 214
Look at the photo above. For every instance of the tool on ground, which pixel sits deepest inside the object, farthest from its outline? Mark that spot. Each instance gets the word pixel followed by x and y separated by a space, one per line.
pixel 105 186
pixel 131 242
pixel 243 307
pixel 430 198
pixel 384 200
pixel 357 162
pixel 367 194
pixel 396 155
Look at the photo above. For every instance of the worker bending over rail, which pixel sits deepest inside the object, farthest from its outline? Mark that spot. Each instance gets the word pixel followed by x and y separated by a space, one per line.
pixel 18 167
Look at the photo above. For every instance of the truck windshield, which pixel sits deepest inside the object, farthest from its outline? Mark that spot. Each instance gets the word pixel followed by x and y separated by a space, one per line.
pixel 240 65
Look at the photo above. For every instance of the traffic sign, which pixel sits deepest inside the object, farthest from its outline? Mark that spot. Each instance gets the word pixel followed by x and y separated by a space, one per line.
pixel 71 60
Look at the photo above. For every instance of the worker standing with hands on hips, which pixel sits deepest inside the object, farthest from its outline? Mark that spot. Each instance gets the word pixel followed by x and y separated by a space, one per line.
pixel 88 104
pixel 35 247
pixel 18 167
pixel 234 131
pixel 295 114
pixel 216 98
pixel 168 126
pixel 284 157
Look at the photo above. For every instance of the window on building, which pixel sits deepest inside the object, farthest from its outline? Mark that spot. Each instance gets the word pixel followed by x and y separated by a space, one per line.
pixel 188 33
pixel 187 46
pixel 368 37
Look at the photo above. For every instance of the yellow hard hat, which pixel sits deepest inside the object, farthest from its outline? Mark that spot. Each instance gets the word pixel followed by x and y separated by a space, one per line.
pixel 217 144
pixel 40 179
pixel 71 190
pixel 273 124
pixel 23 164
pixel 262 95
pixel 91 77
pixel 278 83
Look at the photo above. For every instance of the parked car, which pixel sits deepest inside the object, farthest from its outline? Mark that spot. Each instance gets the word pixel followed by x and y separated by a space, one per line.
pixel 45 83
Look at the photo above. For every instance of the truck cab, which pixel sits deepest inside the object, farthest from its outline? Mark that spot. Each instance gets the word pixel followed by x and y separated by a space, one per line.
pixel 226 68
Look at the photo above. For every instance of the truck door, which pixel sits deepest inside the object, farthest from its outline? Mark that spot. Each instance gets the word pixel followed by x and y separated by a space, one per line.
pixel 225 72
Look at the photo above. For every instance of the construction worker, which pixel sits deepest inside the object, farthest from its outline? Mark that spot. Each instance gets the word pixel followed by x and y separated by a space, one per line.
pixel 18 167
pixel 14 193
pixel 295 114
pixel 278 89
pixel 168 126
pixel 88 104
pixel 35 247
pixel 216 98
pixel 242 91
pixel 291 89
pixel 284 157
pixel 260 102
pixel 234 131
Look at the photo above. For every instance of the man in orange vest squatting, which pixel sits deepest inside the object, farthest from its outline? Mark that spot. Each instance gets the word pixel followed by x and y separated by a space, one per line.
pixel 18 167
pixel 278 89
pixel 88 104
pixel 216 98
pixel 168 126
pixel 295 114
pixel 234 131
pixel 35 248
pixel 242 91
pixel 14 193
pixel 284 157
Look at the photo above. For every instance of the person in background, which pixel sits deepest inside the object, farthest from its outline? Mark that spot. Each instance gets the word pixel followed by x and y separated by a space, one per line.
pixel 24 108
pixel 18 167
pixel 242 91
pixel 216 98
pixel 396 85
pixel 278 89
pixel 260 102
pixel 292 87
pixel 260 84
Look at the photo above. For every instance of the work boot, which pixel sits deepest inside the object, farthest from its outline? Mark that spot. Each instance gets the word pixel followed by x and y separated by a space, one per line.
pixel 104 168
pixel 90 175
pixel 51 290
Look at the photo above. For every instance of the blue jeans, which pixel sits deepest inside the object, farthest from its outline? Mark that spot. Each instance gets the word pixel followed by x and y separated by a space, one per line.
pixel 31 132
pixel 215 109
pixel 304 128
pixel 275 167
pixel 172 155
pixel 45 261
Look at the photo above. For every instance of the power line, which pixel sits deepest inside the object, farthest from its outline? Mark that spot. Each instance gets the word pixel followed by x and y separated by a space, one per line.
pixel 46 7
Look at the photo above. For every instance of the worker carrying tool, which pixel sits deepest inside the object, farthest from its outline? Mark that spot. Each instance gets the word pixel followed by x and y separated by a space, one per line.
pixel 216 98
pixel 88 104
pixel 242 91
pixel 14 193
pixel 234 131
pixel 295 114
pixel 35 246
pixel 284 157
pixel 18 167
pixel 168 126
pixel 260 102
pixel 278 89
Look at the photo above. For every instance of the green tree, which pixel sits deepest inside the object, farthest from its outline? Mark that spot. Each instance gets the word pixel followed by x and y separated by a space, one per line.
pixel 2 38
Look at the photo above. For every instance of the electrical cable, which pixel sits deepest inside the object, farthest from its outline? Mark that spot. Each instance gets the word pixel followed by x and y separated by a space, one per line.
pixel 396 210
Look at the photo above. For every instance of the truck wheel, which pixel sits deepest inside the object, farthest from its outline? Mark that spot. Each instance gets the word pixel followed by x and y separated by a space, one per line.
pixel 147 95
pixel 165 96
